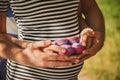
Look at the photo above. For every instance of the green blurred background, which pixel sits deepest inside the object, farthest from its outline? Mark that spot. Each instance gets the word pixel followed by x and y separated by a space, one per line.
pixel 106 64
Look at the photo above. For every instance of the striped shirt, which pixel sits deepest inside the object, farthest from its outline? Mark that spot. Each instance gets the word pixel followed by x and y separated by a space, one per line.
pixel 40 20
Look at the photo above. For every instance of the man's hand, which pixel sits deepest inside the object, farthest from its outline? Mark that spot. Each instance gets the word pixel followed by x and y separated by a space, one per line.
pixel 92 40
pixel 35 55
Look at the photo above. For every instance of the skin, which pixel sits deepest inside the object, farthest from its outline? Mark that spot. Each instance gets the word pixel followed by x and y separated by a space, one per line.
pixel 41 53
pixel 93 39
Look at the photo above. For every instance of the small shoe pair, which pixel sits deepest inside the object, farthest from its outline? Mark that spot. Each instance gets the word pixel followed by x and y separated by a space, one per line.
pixel 71 44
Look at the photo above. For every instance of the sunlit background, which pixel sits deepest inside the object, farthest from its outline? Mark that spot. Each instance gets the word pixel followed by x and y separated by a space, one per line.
pixel 106 64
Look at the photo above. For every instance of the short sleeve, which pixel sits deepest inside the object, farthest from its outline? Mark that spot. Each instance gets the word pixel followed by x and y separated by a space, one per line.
pixel 3 5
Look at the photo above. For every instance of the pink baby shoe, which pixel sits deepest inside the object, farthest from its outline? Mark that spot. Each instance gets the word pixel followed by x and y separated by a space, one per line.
pixel 74 39
pixel 78 48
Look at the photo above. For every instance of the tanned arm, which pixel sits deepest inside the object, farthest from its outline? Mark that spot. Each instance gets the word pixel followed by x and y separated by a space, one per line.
pixel 8 44
pixel 93 28
pixel 94 17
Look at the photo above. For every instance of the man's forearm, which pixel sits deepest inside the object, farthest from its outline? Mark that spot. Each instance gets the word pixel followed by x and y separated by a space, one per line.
pixel 10 45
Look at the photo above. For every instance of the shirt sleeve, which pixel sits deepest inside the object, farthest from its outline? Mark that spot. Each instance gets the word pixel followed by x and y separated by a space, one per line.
pixel 3 5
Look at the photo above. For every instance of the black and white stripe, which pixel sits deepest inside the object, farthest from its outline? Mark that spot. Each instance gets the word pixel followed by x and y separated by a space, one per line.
pixel 39 20
pixel 3 5
pixel 46 19
pixel 17 71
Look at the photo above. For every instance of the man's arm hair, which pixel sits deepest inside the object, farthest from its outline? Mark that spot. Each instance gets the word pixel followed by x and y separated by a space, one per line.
pixel 7 42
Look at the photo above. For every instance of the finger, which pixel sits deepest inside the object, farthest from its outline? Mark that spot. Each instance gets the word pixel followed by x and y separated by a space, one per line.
pixel 84 58
pixel 89 42
pixel 38 44
pixel 83 40
pixel 55 64
pixel 55 49
pixel 61 58
pixel 84 36
pixel 94 48
pixel 91 37
pixel 50 52
pixel 80 57
pixel 93 34
pixel 86 30
pixel 96 43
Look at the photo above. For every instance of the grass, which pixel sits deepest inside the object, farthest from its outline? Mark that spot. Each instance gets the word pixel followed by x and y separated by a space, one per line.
pixel 106 64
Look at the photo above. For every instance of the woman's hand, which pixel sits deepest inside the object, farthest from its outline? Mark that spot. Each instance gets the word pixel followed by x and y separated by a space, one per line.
pixel 93 42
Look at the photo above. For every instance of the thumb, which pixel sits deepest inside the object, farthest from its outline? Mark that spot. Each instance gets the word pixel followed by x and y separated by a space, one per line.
pixel 39 44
